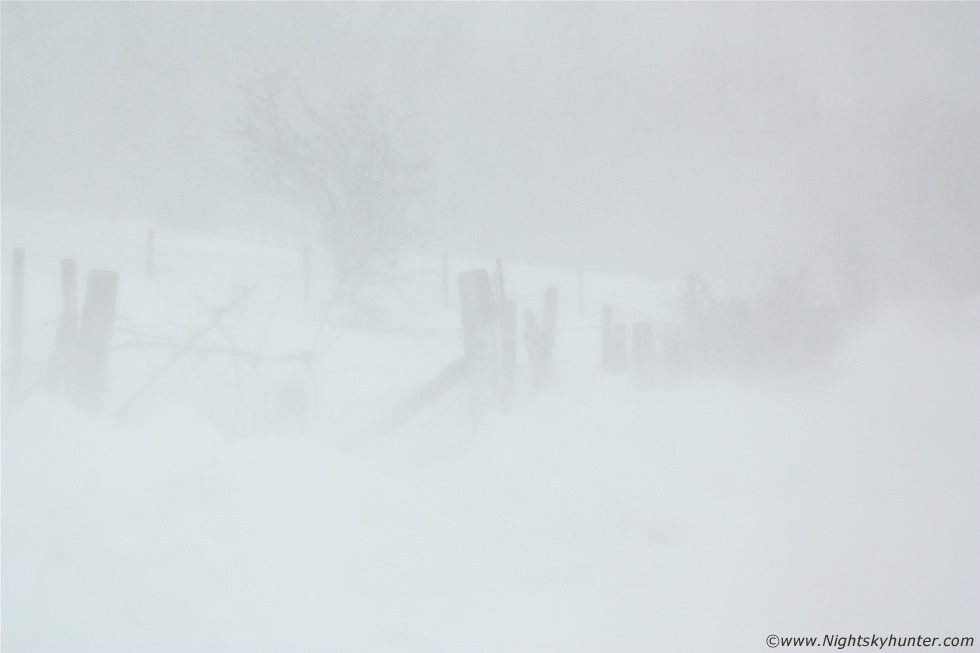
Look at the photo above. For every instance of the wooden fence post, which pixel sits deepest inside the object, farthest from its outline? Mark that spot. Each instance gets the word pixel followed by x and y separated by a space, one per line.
pixel 307 271
pixel 14 349
pixel 94 338
pixel 150 252
pixel 508 333
pixel 500 281
pixel 614 348
pixel 549 322
pixel 541 341
pixel 476 309
pixel 62 359
pixel 532 343
pixel 479 340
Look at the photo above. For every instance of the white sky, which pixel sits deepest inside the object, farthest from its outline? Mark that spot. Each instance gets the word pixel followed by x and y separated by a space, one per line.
pixel 655 136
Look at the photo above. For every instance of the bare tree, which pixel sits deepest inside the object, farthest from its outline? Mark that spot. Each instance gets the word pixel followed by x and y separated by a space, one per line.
pixel 359 167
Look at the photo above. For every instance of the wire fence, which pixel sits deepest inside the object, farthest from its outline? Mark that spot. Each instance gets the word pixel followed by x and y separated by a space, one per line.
pixel 215 354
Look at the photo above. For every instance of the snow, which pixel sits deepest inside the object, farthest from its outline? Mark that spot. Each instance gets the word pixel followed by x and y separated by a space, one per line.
pixel 695 515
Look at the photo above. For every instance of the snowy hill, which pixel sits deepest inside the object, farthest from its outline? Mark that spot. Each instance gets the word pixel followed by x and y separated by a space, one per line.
pixel 701 514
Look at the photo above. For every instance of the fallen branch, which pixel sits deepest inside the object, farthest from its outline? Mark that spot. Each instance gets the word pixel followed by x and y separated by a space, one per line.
pixel 425 395
pixel 186 347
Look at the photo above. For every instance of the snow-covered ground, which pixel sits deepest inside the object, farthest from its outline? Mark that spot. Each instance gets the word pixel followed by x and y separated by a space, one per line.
pixel 698 515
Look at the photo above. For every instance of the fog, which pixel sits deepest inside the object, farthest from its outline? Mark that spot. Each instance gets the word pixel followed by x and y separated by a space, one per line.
pixel 412 326
pixel 663 137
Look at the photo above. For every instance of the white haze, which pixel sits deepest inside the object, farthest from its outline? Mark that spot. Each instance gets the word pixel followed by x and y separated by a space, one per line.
pixel 662 136
pixel 831 490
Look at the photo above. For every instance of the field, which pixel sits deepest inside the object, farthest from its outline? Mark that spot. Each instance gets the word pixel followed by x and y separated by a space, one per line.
pixel 243 504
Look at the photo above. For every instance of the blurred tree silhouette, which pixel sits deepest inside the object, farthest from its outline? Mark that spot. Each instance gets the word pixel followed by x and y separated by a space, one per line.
pixel 360 168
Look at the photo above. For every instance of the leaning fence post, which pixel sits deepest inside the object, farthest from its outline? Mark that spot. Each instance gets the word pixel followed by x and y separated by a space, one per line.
pixel 65 340
pixel 422 397
pixel 94 338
